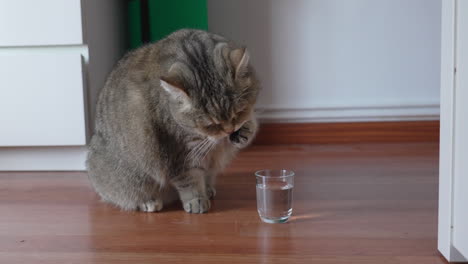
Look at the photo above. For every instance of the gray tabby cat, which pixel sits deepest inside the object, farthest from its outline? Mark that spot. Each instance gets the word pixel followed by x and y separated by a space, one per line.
pixel 171 116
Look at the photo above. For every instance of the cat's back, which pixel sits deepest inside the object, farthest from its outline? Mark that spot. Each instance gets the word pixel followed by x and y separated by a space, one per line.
pixel 151 60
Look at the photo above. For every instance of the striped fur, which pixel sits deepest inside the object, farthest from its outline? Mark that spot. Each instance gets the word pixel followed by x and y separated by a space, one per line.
pixel 170 117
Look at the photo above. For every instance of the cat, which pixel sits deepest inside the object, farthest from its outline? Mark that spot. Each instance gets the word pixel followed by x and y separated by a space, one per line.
pixel 171 116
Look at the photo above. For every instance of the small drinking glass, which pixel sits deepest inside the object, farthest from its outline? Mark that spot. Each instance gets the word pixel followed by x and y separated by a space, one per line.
pixel 274 195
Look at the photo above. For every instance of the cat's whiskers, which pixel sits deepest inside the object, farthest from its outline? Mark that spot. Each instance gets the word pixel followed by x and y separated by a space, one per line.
pixel 211 146
pixel 197 151
pixel 196 147
pixel 200 153
pixel 203 152
pixel 194 150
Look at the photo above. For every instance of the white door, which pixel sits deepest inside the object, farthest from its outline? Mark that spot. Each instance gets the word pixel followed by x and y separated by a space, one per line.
pixel 453 184
pixel 460 237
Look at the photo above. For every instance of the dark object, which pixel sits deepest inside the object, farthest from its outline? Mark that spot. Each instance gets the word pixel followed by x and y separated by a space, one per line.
pixel 152 20
pixel 236 137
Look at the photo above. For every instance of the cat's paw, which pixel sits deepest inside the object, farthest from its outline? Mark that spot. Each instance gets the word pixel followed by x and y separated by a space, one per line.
pixel 197 206
pixel 210 191
pixel 151 206
pixel 242 137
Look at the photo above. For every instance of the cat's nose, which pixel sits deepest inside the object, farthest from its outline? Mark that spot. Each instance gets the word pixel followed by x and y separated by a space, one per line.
pixel 229 129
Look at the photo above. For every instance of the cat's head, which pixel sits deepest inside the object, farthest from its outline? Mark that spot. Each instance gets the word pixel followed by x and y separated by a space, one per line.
pixel 212 94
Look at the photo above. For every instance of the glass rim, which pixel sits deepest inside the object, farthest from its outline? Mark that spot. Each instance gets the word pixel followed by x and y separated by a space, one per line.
pixel 289 173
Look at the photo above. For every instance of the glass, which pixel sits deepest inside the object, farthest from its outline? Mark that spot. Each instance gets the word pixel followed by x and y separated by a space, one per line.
pixel 274 195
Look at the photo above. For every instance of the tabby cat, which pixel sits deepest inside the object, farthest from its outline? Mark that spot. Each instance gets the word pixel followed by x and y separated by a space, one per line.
pixel 170 117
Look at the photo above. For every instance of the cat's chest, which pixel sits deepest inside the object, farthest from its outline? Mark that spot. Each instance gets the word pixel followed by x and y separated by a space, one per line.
pixel 219 156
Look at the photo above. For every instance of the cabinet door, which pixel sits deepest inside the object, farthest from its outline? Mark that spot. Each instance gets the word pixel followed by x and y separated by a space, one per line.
pixel 40 22
pixel 41 97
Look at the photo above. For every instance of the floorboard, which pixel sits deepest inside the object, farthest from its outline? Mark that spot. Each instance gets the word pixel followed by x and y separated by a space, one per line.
pixel 353 203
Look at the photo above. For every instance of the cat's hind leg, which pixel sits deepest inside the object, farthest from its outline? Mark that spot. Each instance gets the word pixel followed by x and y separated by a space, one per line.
pixel 121 184
pixel 151 206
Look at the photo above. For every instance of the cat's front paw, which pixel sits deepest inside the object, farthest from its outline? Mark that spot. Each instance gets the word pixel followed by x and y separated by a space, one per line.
pixel 242 137
pixel 210 191
pixel 197 206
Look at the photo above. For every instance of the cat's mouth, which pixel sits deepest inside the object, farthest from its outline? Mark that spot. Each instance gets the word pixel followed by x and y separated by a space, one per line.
pixel 226 134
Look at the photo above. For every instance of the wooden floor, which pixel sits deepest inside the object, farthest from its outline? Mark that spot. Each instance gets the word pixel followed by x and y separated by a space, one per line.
pixel 355 203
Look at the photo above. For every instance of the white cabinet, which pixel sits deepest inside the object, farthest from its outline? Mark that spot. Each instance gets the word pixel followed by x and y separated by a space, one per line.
pixel 54 58
pixel 45 22
pixel 453 182
pixel 42 101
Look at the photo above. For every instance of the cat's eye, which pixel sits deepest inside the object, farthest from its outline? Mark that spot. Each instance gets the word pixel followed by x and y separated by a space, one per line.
pixel 237 113
pixel 240 112
pixel 213 127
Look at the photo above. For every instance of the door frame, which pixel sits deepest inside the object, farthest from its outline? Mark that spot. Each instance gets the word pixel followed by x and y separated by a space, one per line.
pixel 450 213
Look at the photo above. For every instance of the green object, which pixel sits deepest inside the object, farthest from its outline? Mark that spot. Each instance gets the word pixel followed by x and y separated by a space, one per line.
pixel 134 24
pixel 167 16
pixel 152 20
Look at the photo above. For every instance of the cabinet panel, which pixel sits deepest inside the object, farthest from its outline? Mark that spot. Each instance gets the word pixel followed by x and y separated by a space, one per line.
pixel 45 22
pixel 41 98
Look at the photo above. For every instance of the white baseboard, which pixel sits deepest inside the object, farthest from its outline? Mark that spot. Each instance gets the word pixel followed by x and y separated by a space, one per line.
pixel 349 113
pixel 42 158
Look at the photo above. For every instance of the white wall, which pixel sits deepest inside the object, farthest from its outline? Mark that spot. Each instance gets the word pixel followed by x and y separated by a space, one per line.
pixel 339 60
pixel 105 32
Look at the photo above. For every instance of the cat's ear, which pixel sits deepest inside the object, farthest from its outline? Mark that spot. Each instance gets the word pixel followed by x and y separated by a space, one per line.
pixel 240 59
pixel 175 91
